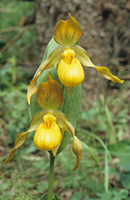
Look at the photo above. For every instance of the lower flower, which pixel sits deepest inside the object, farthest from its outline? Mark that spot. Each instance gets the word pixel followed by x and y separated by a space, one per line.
pixel 49 123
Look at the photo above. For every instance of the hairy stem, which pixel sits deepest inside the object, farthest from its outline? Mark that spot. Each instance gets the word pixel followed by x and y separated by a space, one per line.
pixel 51 177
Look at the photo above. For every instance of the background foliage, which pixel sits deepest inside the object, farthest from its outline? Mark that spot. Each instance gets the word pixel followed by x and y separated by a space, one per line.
pixel 103 127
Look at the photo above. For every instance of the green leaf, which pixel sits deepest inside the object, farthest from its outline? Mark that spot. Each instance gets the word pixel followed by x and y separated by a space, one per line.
pixel 122 151
pixel 106 180
pixel 114 195
pixel 76 196
pixel 55 197
pixel 44 197
pixel 71 104
pixel 124 193
pixel 125 180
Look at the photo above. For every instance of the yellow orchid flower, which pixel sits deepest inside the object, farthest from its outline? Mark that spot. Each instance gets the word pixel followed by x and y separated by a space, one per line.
pixel 49 123
pixel 67 57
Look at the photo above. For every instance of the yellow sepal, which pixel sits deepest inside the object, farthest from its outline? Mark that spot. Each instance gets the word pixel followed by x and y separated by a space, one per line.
pixel 105 72
pixel 55 150
pixel 66 125
pixel 83 57
pixel 63 122
pixel 77 149
pixel 49 94
pixel 68 32
pixel 51 62
pixel 21 137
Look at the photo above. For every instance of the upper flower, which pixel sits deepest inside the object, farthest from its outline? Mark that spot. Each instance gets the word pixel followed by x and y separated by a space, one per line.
pixel 67 57
pixel 50 124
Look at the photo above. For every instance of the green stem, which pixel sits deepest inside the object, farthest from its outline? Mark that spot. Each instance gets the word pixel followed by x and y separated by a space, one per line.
pixel 51 177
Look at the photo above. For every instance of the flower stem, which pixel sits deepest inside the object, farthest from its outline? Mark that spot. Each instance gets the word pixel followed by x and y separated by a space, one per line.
pixel 51 177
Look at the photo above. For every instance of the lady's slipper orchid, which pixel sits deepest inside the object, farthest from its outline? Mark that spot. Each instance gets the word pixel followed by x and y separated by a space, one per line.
pixel 49 123
pixel 67 57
